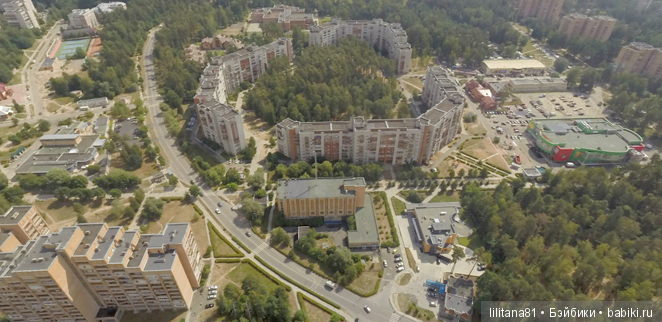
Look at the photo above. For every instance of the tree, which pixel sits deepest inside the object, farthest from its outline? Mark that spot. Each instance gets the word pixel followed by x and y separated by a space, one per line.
pixel 260 193
pixel 13 194
pixel 44 125
pixel 414 197
pixel 257 179
pixel 573 76
pixel 232 187
pixel 272 142
pixel 279 236
pixel 115 193
pixel 458 254
pixel 120 111
pixel 78 208
pixel 298 40
pixel 132 156
pixel 194 191
pixel 232 176
pixel 403 110
pixel 116 209
pixel 173 100
pixel 461 173
pixel 93 168
pixel 152 209
pixel 252 209
pixel 117 178
pixel 560 64
pixel 172 180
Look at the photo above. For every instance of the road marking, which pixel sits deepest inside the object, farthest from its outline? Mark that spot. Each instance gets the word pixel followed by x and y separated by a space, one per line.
pixel 260 248
pixel 395 317
pixel 316 283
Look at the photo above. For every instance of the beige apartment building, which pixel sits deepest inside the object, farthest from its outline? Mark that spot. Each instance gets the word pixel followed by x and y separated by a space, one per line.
pixel 19 225
pixel 640 58
pixel 20 13
pixel 577 25
pixel 92 272
pixel 220 122
pixel 382 35
pixel 392 141
pixel 547 10
pixel 82 18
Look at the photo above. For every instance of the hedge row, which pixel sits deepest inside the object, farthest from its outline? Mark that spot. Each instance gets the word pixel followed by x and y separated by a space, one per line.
pixel 301 297
pixel 395 240
pixel 169 199
pixel 265 273
pixel 299 285
pixel 198 210
pixel 228 260
pixel 236 240
pixel 234 248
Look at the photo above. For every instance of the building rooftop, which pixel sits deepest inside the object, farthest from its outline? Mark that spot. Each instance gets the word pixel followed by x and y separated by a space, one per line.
pixel 435 220
pixel 48 62
pixel 14 215
pixel 589 133
pixel 122 248
pixel 316 188
pixel 548 80
pixel 459 295
pixel 92 232
pixel 513 64
pixel 61 156
pixel 44 251
pixel 106 242
pixel 366 226
pixel 56 137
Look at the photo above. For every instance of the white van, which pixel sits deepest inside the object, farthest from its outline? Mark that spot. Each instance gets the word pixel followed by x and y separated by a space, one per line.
pixel 570 165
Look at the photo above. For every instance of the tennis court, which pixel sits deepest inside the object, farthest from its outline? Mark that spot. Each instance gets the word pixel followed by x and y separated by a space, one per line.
pixel 68 47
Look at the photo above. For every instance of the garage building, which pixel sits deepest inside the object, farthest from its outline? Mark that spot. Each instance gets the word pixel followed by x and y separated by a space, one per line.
pixel 513 67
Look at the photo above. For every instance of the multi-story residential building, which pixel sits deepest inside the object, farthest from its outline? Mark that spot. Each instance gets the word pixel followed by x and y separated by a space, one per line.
pixel 397 141
pixel 82 18
pixel 640 58
pixel 222 124
pixel 21 223
pixel 20 14
pixel 331 198
pixel 547 10
pixel 577 25
pixel 287 17
pixel 92 272
pixel 389 37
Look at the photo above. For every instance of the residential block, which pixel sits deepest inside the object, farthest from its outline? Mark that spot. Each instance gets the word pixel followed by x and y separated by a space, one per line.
pixel 286 17
pixel 222 124
pixel 394 141
pixel 640 58
pixel 389 37
pixel 577 25
pixel 20 13
pixel 546 10
pixel 19 225
pixel 92 272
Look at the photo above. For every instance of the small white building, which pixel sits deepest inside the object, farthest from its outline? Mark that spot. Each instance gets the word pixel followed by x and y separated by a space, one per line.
pixel 537 85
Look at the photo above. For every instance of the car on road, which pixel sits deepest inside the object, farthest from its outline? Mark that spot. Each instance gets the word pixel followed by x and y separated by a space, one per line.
pixel 248 234
pixel 400 269
pixel 210 305
pixel 220 204
pixel 384 263
pixel 367 308
pixel 218 211
pixel 330 284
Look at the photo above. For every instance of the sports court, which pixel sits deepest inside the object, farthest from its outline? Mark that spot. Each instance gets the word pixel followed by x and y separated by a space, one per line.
pixel 68 47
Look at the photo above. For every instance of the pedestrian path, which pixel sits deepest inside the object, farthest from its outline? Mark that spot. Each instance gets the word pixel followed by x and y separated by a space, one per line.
pixel 260 248
pixel 395 317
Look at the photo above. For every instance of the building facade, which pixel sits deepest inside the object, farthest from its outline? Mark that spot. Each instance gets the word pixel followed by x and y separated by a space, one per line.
pixel 20 13
pixel 547 10
pixel 93 273
pixel 222 124
pixel 22 222
pixel 512 67
pixel 577 25
pixel 287 17
pixel 394 141
pixel 534 85
pixel 389 37
pixel 640 58
pixel 82 18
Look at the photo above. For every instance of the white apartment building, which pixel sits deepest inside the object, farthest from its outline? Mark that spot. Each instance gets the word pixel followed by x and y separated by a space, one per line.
pixel 82 18
pixel 396 141
pixel 94 273
pixel 222 124
pixel 20 14
pixel 382 35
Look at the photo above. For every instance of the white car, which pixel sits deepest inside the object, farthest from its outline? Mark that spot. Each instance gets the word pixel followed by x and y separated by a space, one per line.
pixel 385 263
pixel 400 269
pixel 401 264
pixel 211 297
pixel 218 211
pixel 213 287
pixel 367 308
pixel 397 260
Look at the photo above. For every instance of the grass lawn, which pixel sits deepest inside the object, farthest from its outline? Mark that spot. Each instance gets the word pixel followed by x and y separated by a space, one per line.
pixel 410 88
pixel 499 161
pixel 146 170
pixel 244 270
pixel 410 258
pixel 405 193
pixel 64 100
pixel 522 28
pixel 176 211
pixel 446 197
pixel 53 108
pixel 365 283
pixel 479 148
pixel 398 205
pixel 56 210
pixel 100 212
pixel 315 314
pixel 414 81
pixel 464 241
pixel 220 247
pixel 161 316
pixel 410 308
pixel 404 279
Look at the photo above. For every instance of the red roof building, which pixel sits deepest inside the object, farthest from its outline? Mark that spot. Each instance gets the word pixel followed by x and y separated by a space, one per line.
pixel 488 103
pixel 5 91
pixel 472 84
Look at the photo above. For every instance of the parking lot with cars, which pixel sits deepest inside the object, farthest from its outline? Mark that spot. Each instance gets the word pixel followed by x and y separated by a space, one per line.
pixel 129 128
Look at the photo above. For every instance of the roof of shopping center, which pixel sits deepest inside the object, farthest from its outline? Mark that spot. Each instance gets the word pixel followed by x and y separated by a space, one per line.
pixel 588 133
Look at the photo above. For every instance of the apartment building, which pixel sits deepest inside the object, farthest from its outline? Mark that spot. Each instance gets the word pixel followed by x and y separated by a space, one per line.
pixel 389 37
pixel 287 17
pixel 546 10
pixel 640 58
pixel 94 273
pixel 577 25
pixel 20 13
pixel 224 74
pixel 222 124
pixel 82 18
pixel 19 225
pixel 396 141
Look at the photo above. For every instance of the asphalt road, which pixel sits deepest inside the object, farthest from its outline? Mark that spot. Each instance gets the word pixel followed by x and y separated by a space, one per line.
pixel 238 226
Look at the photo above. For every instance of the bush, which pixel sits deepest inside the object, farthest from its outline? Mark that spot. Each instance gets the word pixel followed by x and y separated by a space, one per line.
pixel 198 210
pixel 266 274
pixel 236 240
pixel 207 252
pixel 395 240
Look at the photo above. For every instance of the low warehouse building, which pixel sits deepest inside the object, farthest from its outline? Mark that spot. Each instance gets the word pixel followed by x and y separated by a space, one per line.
pixel 586 140
pixel 537 85
pixel 64 151
pixel 49 64
pixel 513 67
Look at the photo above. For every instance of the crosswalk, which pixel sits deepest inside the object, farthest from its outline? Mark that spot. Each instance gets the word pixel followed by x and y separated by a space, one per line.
pixel 395 317
pixel 316 283
pixel 260 248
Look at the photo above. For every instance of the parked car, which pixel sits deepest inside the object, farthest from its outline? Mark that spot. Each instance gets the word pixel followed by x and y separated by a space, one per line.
pixel 400 264
pixel 397 260
pixel 400 269
pixel 384 263
pixel 210 305
pixel 367 308
pixel 220 204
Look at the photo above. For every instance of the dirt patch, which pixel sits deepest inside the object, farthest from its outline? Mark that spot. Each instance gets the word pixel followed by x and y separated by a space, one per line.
pixel 382 220
pixel 101 214
pixel 479 148
pixel 499 161
pixel 365 283
pixel 404 279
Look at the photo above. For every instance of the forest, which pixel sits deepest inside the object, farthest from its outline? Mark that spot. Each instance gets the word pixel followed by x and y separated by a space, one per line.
pixel 327 83
pixel 12 43
pixel 589 234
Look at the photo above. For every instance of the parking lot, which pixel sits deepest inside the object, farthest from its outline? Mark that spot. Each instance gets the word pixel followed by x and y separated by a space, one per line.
pixel 128 128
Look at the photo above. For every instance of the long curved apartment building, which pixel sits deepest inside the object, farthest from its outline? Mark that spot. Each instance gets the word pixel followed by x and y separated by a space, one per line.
pixel 394 141
pixel 383 35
